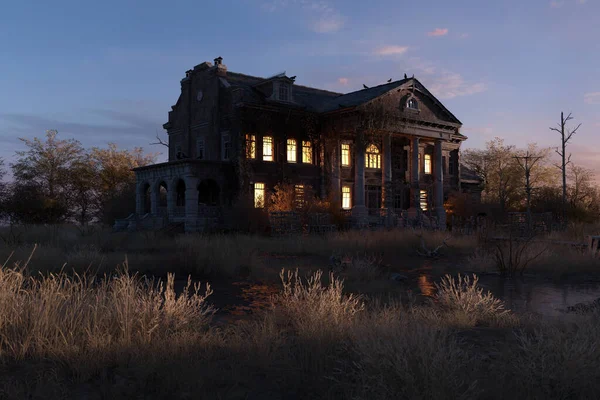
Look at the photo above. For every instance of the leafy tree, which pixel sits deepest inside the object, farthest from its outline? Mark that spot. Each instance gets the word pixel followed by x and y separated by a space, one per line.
pixel 83 193
pixel 28 204
pixel 115 179
pixel 44 171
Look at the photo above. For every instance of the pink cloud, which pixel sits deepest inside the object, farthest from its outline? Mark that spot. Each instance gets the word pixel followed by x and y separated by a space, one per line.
pixel 463 36
pixel 343 81
pixel 556 4
pixel 592 98
pixel 391 50
pixel 438 32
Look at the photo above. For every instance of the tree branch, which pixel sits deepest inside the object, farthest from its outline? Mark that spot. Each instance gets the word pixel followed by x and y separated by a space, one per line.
pixel 160 142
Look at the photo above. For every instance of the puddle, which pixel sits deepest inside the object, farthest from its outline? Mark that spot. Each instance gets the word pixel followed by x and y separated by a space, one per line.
pixel 520 295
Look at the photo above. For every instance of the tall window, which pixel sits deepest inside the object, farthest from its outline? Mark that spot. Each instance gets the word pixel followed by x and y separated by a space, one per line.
pixel 345 155
pixel 291 150
pixel 373 158
pixel 268 148
pixel 423 199
pixel 250 147
pixel 299 195
pixel 346 198
pixel 284 92
pixel 427 164
pixel 259 195
pixel 307 152
pixel 226 147
pixel 200 148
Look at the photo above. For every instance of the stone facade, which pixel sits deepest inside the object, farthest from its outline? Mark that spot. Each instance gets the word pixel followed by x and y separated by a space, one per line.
pixel 382 149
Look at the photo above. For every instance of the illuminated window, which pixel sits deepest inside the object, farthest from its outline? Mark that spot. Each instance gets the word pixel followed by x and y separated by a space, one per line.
pixel 291 150
pixel 427 165
pixel 345 155
pixel 306 152
pixel 423 199
pixel 267 148
pixel 250 146
pixel 373 158
pixel 259 195
pixel 299 195
pixel 412 104
pixel 346 199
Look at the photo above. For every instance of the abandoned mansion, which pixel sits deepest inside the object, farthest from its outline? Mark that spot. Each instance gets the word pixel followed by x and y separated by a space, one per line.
pixel 232 136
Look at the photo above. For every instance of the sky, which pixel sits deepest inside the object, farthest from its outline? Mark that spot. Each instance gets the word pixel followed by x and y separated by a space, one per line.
pixel 109 71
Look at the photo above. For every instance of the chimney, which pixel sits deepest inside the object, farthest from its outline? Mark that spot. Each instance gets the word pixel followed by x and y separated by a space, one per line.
pixel 221 68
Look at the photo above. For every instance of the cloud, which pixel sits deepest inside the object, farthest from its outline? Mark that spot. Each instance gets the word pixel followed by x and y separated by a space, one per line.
pixel 581 1
pixel 556 4
pixel 438 32
pixel 343 81
pixel 391 50
pixel 463 36
pixel 592 98
pixel 449 85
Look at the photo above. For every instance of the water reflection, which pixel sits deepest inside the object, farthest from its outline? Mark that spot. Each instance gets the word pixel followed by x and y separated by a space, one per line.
pixel 426 286
pixel 528 296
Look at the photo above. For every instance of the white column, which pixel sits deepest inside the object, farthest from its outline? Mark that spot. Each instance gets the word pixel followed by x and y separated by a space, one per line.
pixel 414 174
pixel 191 204
pixel 439 184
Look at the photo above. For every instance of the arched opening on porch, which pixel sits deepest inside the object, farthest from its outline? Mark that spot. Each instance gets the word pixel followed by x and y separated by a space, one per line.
pixel 208 192
pixel 162 198
pixel 180 190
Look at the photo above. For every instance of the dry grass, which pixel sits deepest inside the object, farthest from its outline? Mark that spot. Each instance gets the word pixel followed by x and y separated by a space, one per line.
pixel 123 337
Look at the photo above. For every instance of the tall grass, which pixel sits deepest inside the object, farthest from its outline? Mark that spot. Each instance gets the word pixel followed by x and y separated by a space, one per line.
pixel 122 337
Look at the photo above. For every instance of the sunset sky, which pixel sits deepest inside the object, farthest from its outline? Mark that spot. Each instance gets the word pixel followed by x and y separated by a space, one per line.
pixel 108 71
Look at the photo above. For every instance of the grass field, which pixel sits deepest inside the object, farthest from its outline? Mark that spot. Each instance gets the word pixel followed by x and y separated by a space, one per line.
pixel 107 332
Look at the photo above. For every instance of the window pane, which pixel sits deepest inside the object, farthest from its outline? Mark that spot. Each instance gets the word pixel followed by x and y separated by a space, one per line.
pixel 306 152
pixel 423 200
pixel 259 195
pixel 200 149
pixel 345 154
pixel 346 199
pixel 373 158
pixel 299 195
pixel 291 150
pixel 267 148
pixel 250 146
pixel 428 163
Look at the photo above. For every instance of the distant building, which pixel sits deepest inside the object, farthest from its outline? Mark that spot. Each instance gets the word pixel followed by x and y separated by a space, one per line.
pixel 393 147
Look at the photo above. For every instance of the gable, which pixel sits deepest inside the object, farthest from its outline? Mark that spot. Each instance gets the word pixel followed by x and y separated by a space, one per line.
pixel 429 109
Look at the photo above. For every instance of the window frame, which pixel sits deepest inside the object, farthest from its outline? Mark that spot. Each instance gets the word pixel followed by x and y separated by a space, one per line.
pixel 372 158
pixel 291 149
pixel 346 195
pixel 427 164
pixel 299 193
pixel 200 148
pixel 225 147
pixel 285 88
pixel 270 157
pixel 423 200
pixel 345 154
pixel 259 187
pixel 250 146
pixel 307 154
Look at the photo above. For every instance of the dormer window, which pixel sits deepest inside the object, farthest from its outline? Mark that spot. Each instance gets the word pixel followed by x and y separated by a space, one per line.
pixel 284 91
pixel 412 104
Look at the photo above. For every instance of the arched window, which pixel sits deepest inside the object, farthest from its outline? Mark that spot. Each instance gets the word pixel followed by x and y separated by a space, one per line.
pixel 412 104
pixel 373 157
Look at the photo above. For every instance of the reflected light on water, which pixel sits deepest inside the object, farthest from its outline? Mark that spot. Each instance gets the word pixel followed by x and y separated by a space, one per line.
pixel 426 286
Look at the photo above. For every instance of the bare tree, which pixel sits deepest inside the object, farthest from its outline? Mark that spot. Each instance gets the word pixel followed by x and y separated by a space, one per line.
pixel 565 135
pixel 527 162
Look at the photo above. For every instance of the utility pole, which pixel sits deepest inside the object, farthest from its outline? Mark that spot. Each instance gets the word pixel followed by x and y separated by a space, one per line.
pixel 527 162
pixel 565 137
